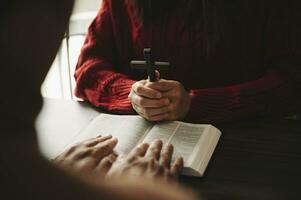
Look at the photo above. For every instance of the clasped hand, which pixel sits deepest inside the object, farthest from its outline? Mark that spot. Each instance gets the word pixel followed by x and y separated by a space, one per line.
pixel 160 100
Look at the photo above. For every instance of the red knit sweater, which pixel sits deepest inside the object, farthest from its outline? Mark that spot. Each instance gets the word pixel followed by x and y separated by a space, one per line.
pixel 253 70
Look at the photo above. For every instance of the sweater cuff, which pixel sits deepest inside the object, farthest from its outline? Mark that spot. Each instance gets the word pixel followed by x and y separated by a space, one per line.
pixel 193 112
pixel 118 101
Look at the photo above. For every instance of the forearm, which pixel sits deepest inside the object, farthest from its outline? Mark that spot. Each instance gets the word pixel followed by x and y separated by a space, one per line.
pixel 105 88
pixel 269 95
pixel 97 78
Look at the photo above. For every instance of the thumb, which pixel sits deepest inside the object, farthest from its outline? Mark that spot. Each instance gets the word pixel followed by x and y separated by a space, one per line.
pixel 157 75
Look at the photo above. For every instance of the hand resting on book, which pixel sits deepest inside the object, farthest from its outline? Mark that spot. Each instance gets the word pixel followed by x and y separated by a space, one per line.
pixel 150 162
pixel 91 157
pixel 95 158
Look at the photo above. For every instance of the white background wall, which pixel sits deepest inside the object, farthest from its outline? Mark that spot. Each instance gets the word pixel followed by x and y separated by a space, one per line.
pixel 59 82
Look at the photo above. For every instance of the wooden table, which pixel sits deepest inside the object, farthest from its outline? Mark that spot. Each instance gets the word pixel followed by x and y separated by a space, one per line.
pixel 255 159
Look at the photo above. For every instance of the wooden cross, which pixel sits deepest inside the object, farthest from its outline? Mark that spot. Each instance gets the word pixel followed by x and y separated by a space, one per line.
pixel 149 65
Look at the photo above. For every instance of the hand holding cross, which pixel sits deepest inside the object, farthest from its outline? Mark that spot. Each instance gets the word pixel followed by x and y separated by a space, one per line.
pixel 157 100
pixel 149 65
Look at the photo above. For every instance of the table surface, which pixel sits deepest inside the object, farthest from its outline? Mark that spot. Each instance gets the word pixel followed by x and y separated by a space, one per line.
pixel 254 159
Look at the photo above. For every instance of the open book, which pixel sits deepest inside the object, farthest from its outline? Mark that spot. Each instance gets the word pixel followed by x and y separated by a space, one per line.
pixel 194 142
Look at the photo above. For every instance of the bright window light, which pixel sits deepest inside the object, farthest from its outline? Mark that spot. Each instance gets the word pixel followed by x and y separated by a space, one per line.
pixel 59 82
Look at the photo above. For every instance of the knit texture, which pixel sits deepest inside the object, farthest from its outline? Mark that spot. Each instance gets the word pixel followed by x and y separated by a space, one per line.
pixel 254 68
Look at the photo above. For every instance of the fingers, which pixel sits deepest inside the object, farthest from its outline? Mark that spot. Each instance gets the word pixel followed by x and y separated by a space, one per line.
pixel 140 150
pixel 157 118
pixel 151 113
pixel 163 85
pixel 177 167
pixel 166 156
pixel 155 149
pixel 104 148
pixel 140 89
pixel 147 102
pixel 157 75
pixel 105 164
pixel 93 141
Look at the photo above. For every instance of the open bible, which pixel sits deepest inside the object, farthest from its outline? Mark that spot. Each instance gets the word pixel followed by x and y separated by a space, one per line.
pixel 194 142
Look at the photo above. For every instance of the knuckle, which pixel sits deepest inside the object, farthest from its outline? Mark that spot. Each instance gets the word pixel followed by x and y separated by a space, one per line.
pixel 132 158
pixel 82 153
pixel 140 101
pixel 138 150
pixel 136 100
pixel 155 150
pixel 139 89
pixel 107 161
pixel 94 152
pixel 144 111
pixel 103 148
pixel 73 148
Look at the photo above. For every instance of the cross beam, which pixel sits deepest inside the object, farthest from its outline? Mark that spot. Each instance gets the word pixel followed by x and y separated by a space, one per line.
pixel 149 65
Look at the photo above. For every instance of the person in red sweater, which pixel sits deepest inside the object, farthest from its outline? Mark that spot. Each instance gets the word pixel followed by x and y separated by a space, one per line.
pixel 229 60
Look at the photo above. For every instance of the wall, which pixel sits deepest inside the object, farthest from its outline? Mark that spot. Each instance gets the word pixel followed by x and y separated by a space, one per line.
pixel 59 82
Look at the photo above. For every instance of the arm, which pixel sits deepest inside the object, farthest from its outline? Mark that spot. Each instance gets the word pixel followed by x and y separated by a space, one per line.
pixel 96 77
pixel 270 95
pixel 278 92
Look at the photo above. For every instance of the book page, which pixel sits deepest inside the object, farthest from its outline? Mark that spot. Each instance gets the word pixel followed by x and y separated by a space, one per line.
pixel 129 130
pixel 183 136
